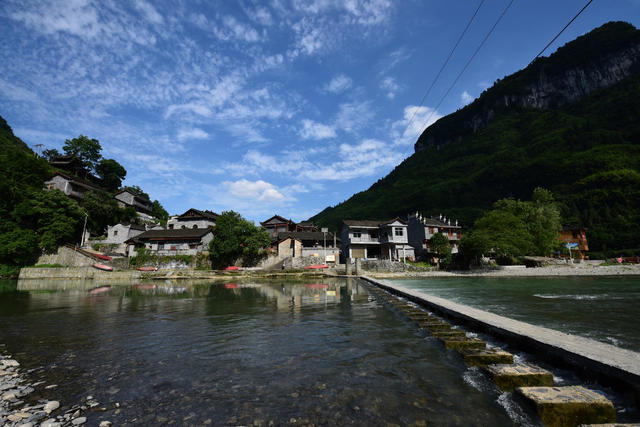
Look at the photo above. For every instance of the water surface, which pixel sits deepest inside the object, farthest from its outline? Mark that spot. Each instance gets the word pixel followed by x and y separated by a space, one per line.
pixel 325 353
pixel 606 309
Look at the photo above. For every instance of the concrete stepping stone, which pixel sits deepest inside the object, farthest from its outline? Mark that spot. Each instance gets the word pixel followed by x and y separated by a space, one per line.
pixel 464 343
pixel 571 405
pixel 434 326
pixel 452 333
pixel 486 357
pixel 508 377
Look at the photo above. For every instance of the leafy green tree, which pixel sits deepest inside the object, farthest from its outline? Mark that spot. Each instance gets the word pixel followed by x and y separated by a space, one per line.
pixel 87 150
pixel 103 210
pixel 54 217
pixel 159 212
pixel 137 190
pixel 111 173
pixel 50 154
pixel 236 238
pixel 18 246
pixel 439 244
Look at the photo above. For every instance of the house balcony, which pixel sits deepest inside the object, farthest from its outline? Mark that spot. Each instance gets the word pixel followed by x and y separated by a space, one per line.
pixel 365 239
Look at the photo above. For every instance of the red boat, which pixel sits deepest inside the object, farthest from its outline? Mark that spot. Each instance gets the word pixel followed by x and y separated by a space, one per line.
pixel 232 268
pixel 231 286
pixel 103 267
pixel 104 257
pixel 316 285
pixel 317 266
pixel 147 268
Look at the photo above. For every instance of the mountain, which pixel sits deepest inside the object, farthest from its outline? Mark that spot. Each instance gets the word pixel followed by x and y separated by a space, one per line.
pixel 568 123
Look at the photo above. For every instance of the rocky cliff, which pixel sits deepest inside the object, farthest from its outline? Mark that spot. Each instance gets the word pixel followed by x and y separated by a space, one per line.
pixel 590 63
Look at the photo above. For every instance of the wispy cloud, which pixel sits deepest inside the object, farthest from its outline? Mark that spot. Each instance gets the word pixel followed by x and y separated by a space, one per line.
pixel 465 98
pixel 389 85
pixel 415 120
pixel 194 133
pixel 232 29
pixel 313 130
pixel 338 84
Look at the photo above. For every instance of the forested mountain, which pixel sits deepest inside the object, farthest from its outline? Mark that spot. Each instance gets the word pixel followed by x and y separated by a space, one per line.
pixel 568 123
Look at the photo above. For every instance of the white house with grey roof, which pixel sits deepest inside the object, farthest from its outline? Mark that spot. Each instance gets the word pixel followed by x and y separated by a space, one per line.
pixel 375 239
pixel 193 218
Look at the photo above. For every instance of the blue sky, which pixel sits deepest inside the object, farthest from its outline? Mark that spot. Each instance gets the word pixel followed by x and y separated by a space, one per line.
pixel 263 107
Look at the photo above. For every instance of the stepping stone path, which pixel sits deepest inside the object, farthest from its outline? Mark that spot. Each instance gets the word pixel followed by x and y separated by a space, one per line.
pixel 572 405
pixel 556 406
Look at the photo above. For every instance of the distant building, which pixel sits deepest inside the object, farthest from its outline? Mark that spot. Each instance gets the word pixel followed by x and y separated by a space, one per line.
pixel 183 241
pixel 128 198
pixel 193 218
pixel 120 233
pixel 308 244
pixel 277 224
pixel 422 229
pixel 69 185
pixel 375 239
pixel 576 237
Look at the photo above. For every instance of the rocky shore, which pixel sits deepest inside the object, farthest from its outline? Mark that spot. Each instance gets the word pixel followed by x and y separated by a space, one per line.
pixel 18 409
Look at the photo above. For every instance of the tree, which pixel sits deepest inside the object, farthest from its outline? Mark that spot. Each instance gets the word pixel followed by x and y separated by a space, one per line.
pixel 87 150
pixel 50 154
pixel 54 217
pixel 103 210
pixel 157 211
pixel 236 238
pixel 111 173
pixel 439 244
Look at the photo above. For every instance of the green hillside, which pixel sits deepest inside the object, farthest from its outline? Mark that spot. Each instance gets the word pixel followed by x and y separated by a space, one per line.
pixel 587 153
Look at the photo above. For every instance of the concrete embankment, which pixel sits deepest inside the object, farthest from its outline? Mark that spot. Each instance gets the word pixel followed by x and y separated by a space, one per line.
pixel 82 273
pixel 605 362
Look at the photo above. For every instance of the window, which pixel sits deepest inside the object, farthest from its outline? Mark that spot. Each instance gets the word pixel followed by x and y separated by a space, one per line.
pixel 357 234
pixel 373 234
pixel 195 225
pixel 398 232
pixel 115 232
pixel 160 246
pixel 170 226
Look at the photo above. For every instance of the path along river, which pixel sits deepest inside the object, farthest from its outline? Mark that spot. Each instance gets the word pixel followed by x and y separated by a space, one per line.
pixel 323 353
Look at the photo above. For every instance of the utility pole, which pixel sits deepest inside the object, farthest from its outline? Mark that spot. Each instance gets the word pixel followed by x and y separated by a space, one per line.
pixel 84 227
pixel 38 147
pixel 324 238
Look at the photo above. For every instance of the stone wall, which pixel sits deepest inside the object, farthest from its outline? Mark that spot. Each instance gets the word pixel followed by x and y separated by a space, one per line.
pixel 81 273
pixel 67 257
pixel 386 266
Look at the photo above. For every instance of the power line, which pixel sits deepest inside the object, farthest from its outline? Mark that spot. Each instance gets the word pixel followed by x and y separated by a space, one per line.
pixel 562 31
pixel 445 64
pixel 486 37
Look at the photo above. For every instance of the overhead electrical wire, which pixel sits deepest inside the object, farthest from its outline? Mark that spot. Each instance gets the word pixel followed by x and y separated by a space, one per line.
pixel 486 37
pixel 562 31
pixel 466 28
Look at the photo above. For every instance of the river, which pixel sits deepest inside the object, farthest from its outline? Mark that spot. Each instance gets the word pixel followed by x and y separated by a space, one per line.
pixel 245 353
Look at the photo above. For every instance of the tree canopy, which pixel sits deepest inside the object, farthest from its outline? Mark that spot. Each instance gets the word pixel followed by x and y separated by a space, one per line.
pixel 86 149
pixel 111 173
pixel 235 238
pixel 515 228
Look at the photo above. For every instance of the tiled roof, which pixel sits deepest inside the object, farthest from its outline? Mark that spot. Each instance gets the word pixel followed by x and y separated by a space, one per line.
pixel 370 224
pixel 306 235
pixel 205 214
pixel 177 234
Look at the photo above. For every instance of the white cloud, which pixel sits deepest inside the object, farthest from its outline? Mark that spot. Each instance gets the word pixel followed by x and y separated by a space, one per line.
pixel 416 120
pixel 354 116
pixel 369 12
pixel 389 84
pixel 195 133
pixel 231 28
pixel 338 84
pixel 16 93
pixel 259 191
pixel 76 17
pixel 149 12
pixel 313 130
pixel 466 98
pixel 196 108
pixel 260 15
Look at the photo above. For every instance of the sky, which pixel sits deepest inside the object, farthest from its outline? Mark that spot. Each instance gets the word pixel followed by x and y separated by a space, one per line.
pixel 262 107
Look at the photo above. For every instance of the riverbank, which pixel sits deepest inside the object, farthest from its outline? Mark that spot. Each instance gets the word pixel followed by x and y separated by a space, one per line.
pixel 521 271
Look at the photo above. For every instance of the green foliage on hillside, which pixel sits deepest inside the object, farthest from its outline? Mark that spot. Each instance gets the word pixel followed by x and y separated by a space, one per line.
pixel 587 154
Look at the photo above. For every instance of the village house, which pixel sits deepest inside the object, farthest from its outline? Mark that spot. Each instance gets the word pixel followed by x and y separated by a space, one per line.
pixel 118 234
pixel 295 244
pixel 128 198
pixel 277 224
pixel 576 239
pixel 193 218
pixel 69 185
pixel 422 229
pixel 182 241
pixel 375 240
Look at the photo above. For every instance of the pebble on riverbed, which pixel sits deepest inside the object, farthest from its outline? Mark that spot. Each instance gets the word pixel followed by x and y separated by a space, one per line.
pixel 15 412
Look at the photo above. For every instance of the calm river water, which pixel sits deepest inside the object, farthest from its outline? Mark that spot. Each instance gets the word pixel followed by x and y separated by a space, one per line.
pixel 323 353
pixel 606 309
